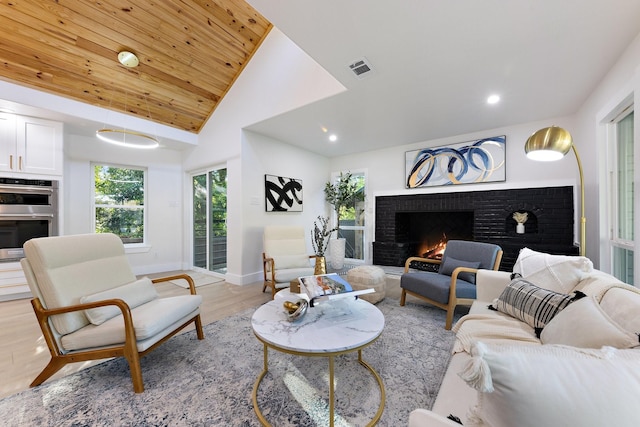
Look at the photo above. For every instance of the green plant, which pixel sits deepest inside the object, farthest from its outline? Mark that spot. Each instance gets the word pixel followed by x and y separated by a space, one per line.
pixel 342 195
pixel 320 235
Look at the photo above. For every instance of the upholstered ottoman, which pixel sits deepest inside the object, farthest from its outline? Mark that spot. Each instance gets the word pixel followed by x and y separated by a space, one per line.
pixel 369 276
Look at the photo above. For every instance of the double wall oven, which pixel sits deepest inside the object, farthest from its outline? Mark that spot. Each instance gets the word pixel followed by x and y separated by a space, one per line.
pixel 28 209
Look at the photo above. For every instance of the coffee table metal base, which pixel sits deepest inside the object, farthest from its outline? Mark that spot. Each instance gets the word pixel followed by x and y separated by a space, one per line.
pixel 331 357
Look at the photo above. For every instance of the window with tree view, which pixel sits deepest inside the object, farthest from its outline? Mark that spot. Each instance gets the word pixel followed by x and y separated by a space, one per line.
pixel 352 226
pixel 119 202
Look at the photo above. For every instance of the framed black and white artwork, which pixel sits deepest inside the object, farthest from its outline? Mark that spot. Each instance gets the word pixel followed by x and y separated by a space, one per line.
pixel 282 194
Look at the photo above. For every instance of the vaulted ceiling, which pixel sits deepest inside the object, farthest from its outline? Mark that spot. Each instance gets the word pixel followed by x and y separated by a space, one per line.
pixel 190 53
pixel 434 61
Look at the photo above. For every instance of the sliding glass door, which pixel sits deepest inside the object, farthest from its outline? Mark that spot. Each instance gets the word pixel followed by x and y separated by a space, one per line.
pixel 209 193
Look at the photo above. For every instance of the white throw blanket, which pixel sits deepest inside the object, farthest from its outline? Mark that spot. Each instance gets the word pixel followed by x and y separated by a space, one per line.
pixel 494 328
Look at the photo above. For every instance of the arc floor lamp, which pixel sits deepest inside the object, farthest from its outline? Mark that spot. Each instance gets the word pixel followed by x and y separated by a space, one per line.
pixel 553 143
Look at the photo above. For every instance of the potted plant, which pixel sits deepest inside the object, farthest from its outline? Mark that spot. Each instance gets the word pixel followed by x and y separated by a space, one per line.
pixel 341 195
pixel 320 242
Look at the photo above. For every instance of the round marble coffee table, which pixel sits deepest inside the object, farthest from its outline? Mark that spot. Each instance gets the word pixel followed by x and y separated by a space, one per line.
pixel 327 330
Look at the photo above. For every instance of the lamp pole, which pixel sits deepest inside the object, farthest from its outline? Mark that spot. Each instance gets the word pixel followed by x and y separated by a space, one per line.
pixel 583 219
pixel 552 143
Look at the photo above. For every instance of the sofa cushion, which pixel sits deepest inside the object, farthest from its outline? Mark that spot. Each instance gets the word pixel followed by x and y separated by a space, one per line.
pixel 622 304
pixel 436 286
pixel 148 320
pixel 134 294
pixel 451 264
pixel 559 273
pixel 585 324
pixel 531 304
pixel 550 385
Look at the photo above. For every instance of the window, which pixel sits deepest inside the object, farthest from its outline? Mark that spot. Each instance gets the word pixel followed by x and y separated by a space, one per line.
pixel 622 227
pixel 352 222
pixel 119 200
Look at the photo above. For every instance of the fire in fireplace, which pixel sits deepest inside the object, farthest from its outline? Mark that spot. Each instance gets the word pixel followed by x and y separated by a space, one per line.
pixel 426 233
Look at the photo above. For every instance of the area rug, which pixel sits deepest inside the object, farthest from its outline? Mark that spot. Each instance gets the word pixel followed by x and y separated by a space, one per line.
pixel 209 383
pixel 199 279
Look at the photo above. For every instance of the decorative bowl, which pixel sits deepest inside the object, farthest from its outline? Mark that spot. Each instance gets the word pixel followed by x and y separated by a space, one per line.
pixel 295 310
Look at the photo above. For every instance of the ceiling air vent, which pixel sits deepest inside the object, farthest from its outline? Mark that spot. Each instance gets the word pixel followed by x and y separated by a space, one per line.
pixel 361 68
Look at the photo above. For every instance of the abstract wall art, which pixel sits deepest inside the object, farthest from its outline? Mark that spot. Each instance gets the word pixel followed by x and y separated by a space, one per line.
pixel 282 194
pixel 471 162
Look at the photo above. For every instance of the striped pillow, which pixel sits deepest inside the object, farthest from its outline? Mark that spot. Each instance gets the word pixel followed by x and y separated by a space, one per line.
pixel 532 304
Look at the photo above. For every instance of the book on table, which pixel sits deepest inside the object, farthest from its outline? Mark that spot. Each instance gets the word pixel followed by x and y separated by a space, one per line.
pixel 330 286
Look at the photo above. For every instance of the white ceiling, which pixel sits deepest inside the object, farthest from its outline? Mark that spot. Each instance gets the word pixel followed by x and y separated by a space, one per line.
pixel 436 61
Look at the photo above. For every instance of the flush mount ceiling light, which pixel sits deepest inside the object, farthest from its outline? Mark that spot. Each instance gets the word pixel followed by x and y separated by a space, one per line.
pixel 128 59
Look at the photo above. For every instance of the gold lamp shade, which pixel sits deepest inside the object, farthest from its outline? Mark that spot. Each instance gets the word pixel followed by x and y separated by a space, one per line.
pixel 548 144
pixel 553 143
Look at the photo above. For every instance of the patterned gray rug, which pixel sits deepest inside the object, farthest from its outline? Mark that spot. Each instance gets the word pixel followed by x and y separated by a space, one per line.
pixel 209 383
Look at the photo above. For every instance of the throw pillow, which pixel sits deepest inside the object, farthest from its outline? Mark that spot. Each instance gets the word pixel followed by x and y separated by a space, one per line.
pixel 560 273
pixel 621 303
pixel 530 303
pixel 134 294
pixel 551 385
pixel 451 264
pixel 585 324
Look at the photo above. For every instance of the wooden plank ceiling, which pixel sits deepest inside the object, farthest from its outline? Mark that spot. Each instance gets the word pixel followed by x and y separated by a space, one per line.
pixel 190 52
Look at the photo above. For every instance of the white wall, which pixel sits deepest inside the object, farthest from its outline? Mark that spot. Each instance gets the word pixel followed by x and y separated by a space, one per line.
pixel 386 168
pixel 262 155
pixel 279 77
pixel 271 84
pixel 621 82
pixel 164 230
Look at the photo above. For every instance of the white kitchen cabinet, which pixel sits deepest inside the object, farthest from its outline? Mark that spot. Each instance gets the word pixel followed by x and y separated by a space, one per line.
pixel 30 145
pixel 7 140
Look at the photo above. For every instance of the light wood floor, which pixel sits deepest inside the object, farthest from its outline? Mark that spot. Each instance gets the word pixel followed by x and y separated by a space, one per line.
pixel 24 353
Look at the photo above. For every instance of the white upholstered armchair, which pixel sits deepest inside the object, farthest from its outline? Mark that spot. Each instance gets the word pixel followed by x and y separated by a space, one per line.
pixel 90 305
pixel 285 257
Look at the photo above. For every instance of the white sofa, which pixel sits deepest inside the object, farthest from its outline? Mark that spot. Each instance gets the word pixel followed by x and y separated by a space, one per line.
pixel 513 378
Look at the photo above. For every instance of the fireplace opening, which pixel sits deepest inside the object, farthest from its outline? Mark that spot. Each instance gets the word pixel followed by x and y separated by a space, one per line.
pixel 425 234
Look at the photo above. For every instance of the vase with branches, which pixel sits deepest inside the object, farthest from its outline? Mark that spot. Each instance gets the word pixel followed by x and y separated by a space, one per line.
pixel 320 235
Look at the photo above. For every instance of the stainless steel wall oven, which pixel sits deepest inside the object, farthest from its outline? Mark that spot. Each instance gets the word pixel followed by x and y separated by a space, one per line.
pixel 28 209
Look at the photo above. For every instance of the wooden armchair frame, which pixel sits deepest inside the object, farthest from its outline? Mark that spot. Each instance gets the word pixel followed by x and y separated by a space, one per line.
pixel 454 301
pixel 128 350
pixel 268 267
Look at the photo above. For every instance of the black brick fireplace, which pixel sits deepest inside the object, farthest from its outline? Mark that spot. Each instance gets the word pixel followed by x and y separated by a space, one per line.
pixel 404 222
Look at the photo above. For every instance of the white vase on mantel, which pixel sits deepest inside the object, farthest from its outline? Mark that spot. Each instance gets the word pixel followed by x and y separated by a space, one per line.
pixel 520 228
pixel 336 253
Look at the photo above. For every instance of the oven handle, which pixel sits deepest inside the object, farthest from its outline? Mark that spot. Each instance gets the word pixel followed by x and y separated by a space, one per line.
pixel 26 215
pixel 24 189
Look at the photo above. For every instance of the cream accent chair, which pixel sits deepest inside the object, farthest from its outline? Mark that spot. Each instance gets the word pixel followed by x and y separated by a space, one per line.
pixel 90 305
pixel 285 257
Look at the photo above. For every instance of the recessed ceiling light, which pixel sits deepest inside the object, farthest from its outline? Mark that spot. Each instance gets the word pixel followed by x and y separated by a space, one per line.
pixel 493 99
pixel 333 137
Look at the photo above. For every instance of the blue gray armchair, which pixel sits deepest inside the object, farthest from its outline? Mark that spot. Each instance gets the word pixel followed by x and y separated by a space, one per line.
pixel 454 282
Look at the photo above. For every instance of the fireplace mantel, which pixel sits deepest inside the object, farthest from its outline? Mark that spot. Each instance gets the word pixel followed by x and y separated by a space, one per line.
pixel 549 228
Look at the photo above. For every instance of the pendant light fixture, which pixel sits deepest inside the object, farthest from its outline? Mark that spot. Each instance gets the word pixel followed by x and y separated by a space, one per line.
pixel 123 136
